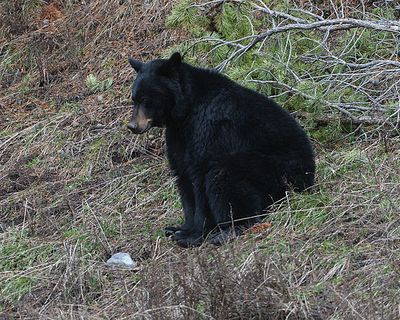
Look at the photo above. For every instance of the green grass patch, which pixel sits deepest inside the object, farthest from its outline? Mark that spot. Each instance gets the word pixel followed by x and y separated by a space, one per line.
pixel 32 163
pixel 95 85
pixel 21 262
pixel 304 211
pixel 70 107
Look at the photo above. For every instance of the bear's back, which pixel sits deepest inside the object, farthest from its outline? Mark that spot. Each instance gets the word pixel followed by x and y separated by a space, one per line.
pixel 251 117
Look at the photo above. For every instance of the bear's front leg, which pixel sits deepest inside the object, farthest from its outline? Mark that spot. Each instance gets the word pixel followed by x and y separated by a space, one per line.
pixel 201 223
pixel 186 192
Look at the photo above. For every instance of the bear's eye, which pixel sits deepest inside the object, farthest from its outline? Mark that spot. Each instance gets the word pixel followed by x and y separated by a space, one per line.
pixel 139 100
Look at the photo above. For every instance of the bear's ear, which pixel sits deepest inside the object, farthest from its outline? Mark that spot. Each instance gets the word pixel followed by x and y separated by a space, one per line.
pixel 175 60
pixel 136 64
pixel 171 66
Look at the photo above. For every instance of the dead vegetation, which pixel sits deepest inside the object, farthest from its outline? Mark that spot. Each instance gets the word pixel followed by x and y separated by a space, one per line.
pixel 75 187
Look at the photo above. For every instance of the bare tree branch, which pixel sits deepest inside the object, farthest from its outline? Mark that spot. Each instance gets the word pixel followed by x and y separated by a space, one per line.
pixel 323 25
pixel 342 108
pixel 363 87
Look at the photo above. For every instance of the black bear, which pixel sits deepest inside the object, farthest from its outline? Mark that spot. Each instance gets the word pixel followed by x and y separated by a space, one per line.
pixel 233 151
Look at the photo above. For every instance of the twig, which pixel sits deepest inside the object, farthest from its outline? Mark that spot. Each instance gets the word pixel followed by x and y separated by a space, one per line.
pixel 279 14
pixel 371 64
pixel 361 120
pixel 364 119
pixel 309 97
pixel 324 25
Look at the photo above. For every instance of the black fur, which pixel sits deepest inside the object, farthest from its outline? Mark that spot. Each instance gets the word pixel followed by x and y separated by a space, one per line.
pixel 233 151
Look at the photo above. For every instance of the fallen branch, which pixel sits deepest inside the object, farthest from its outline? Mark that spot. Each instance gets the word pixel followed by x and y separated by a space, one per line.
pixel 362 91
pixel 361 120
pixel 372 64
pixel 280 14
pixel 323 25
pixel 348 116
pixel 309 97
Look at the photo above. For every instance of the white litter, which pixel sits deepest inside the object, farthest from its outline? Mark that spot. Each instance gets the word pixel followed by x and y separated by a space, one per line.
pixel 121 260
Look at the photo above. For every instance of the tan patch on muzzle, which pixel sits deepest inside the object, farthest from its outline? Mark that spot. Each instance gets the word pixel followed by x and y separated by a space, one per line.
pixel 139 123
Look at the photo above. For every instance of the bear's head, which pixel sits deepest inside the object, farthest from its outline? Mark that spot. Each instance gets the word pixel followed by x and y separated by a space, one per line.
pixel 154 92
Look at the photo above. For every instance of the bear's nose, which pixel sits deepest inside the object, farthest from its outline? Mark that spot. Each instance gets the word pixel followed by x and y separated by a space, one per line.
pixel 132 126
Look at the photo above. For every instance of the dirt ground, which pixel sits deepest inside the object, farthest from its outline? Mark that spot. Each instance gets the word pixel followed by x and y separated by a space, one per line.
pixel 76 187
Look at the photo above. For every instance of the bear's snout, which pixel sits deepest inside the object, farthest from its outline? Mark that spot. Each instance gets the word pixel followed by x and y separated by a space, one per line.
pixel 132 126
pixel 139 127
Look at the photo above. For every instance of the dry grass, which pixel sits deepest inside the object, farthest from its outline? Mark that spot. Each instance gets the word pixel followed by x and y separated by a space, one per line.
pixel 75 187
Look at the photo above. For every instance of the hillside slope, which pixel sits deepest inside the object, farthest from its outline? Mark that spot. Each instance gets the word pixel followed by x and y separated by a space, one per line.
pixel 76 186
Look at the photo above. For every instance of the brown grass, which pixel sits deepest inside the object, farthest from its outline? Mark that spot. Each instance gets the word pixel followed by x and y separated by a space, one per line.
pixel 75 187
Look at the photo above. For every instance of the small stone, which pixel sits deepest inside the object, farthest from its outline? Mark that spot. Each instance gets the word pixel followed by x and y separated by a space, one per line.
pixel 100 98
pixel 122 260
pixel 374 82
pixel 46 22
